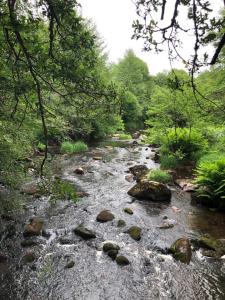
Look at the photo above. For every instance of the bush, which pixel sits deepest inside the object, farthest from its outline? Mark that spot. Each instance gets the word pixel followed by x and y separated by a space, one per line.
pixel 183 144
pixel 124 136
pixel 210 177
pixel 168 161
pixel 159 176
pixel 77 147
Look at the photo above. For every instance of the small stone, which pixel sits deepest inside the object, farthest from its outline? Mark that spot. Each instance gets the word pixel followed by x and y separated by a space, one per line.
pixel 135 233
pixel 85 233
pixel 28 243
pixel 70 264
pixel 105 216
pixel 165 218
pixel 110 246
pixel 128 210
pixel 34 227
pixel 122 260
pixel 113 254
pixel 79 171
pixel 97 157
pixel 28 257
pixel 121 223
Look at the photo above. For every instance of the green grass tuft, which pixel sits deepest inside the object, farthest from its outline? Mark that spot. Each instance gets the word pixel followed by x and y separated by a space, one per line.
pixel 124 136
pixel 77 147
pixel 159 176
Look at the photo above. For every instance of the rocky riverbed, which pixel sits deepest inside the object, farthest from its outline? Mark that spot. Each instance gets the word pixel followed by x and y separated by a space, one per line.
pixel 108 245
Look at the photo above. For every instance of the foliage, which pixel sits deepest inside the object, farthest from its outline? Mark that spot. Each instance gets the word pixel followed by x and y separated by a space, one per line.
pixel 63 190
pixel 77 147
pixel 185 144
pixel 159 176
pixel 210 177
pixel 124 136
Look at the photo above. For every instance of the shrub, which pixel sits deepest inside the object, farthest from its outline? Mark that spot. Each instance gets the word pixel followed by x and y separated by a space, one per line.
pixel 185 145
pixel 210 177
pixel 124 136
pixel 168 161
pixel 77 147
pixel 160 176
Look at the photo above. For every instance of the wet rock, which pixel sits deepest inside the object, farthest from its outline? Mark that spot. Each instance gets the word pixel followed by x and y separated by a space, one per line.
pixel 181 250
pixel 31 188
pixel 121 223
pixel 46 234
pixel 135 143
pixel 122 260
pixel 135 233
pixel 210 243
pixel 153 145
pixel 166 225
pixel 79 171
pixel 85 233
pixel 3 257
pixel 70 264
pixel 66 241
pixel 82 194
pixel 113 254
pixel 151 190
pixel 136 135
pixel 139 171
pixel 129 178
pixel 34 227
pixel 110 246
pixel 186 185
pixel 175 209
pixel 210 253
pixel 28 257
pixel 97 157
pixel 128 210
pixel 105 216
pixel 156 157
pixel 29 243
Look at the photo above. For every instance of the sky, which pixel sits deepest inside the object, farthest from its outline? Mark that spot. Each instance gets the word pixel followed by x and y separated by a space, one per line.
pixel 113 19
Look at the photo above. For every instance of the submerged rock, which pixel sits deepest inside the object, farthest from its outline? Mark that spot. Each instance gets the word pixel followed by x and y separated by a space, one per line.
pixel 151 190
pixel 128 210
pixel 29 243
pixel 3 257
pixel 139 171
pixel 105 216
pixel 135 233
pixel 85 233
pixel 181 250
pixel 121 223
pixel 34 227
pixel 28 257
pixel 122 260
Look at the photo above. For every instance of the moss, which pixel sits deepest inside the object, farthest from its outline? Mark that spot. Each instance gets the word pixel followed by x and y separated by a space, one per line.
pixel 122 260
pixel 135 233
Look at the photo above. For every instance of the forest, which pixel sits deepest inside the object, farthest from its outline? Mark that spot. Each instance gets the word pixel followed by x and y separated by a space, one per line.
pixel 62 98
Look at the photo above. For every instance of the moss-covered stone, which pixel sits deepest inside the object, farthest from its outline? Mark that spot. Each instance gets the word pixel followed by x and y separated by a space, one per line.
pixel 85 233
pixel 128 210
pixel 121 223
pixel 105 216
pixel 150 190
pixel 181 250
pixel 135 232
pixel 110 246
pixel 122 260
pixel 210 243
pixel 113 254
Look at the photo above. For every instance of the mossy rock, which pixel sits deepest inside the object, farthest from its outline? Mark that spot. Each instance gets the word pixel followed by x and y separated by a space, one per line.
pixel 85 233
pixel 113 254
pixel 122 260
pixel 128 210
pixel 110 246
pixel 181 250
pixel 121 223
pixel 135 233
pixel 210 243
pixel 105 216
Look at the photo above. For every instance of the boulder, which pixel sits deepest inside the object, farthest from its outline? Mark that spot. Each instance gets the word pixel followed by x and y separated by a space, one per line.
pixel 110 246
pixel 121 223
pixel 85 233
pixel 151 190
pixel 128 210
pixel 105 216
pixel 79 171
pixel 34 227
pixel 122 260
pixel 135 233
pixel 139 171
pixel 181 250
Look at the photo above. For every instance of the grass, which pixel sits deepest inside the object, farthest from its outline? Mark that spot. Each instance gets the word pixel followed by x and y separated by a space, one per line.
pixel 63 190
pixel 124 136
pixel 159 176
pixel 77 147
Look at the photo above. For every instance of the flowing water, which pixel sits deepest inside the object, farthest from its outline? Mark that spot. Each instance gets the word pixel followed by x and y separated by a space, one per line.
pixel 94 276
